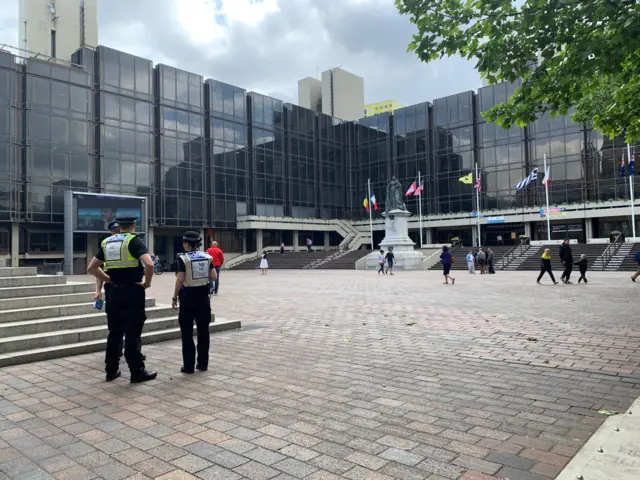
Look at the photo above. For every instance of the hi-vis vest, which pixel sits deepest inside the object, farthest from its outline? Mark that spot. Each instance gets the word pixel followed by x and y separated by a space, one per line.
pixel 116 252
pixel 197 268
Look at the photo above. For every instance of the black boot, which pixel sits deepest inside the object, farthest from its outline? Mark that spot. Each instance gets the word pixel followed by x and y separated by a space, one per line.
pixel 112 376
pixel 143 376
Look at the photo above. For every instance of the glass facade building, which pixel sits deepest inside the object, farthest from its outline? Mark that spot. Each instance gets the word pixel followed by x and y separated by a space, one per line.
pixel 206 153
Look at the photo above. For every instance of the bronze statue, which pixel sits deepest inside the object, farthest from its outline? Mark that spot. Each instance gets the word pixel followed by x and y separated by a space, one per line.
pixel 394 196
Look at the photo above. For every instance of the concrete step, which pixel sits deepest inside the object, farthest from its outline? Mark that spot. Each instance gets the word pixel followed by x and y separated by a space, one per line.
pixel 50 300
pixel 158 318
pixel 70 322
pixel 55 312
pixel 32 281
pixel 80 347
pixel 18 271
pixel 59 289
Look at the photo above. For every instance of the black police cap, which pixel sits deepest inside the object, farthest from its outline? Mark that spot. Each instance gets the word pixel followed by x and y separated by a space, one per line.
pixel 113 225
pixel 127 219
pixel 191 236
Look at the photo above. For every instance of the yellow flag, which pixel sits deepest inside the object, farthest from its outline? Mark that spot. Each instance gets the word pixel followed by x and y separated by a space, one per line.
pixel 468 179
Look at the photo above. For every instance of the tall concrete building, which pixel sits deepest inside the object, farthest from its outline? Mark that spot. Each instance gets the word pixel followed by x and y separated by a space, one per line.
pixel 57 28
pixel 339 94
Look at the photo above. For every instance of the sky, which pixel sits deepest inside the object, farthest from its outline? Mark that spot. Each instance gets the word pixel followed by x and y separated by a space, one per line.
pixel 268 45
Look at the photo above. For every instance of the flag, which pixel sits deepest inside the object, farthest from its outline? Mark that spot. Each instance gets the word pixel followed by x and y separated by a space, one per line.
pixel 412 189
pixel 622 166
pixel 468 179
pixel 530 178
pixel 478 185
pixel 632 165
pixel 547 177
pixel 373 202
pixel 419 189
pixel 365 204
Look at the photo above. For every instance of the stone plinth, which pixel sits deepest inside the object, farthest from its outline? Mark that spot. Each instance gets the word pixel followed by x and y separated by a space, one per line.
pixel 397 236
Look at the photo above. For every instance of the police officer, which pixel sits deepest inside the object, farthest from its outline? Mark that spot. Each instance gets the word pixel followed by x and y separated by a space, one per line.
pixel 126 258
pixel 195 270
pixel 114 229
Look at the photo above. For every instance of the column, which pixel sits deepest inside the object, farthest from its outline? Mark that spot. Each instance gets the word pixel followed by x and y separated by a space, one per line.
pixel 428 236
pixel 588 229
pixel 203 247
pixel 474 237
pixel 149 239
pixel 92 246
pixel 528 229
pixel 15 245
pixel 327 242
pixel 296 234
pixel 259 246
pixel 171 257
pixel 244 242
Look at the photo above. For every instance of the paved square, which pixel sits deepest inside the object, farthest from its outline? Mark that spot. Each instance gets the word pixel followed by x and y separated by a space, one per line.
pixel 345 375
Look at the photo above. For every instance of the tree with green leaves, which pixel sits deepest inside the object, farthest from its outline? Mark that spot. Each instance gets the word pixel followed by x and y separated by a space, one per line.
pixel 581 56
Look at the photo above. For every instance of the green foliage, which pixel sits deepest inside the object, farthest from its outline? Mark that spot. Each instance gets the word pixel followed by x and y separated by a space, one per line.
pixel 582 55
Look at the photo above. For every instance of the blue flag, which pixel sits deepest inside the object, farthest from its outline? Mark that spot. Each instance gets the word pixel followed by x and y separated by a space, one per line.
pixel 632 166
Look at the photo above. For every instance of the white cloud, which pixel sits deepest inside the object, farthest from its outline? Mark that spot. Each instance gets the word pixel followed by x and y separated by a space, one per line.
pixel 267 45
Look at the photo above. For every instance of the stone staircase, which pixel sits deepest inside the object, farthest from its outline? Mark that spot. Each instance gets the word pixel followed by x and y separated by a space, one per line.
pixel 45 316
pixel 618 257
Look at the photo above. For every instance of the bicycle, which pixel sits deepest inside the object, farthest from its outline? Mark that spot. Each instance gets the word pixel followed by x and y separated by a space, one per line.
pixel 158 269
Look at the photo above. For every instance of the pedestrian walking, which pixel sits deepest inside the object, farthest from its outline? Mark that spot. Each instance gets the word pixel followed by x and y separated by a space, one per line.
pixel 482 259
pixel 490 257
pixel 309 244
pixel 390 258
pixel 446 259
pixel 637 274
pixel 545 266
pixel 191 295
pixel 264 264
pixel 217 255
pixel 566 257
pixel 582 266
pixel 282 248
pixel 500 240
pixel 123 256
pixel 381 262
pixel 471 262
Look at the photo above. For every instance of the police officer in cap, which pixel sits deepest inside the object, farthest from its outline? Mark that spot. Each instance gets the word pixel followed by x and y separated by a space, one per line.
pixel 127 259
pixel 195 270
pixel 114 229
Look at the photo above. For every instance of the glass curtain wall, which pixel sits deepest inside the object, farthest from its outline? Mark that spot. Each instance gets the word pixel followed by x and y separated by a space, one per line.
pixel 454 153
pixel 412 149
pixel 10 161
pixel 267 154
pixel 57 134
pixel 180 147
pixel 125 127
pixel 502 154
pixel 374 157
pixel 301 165
pixel 332 172
pixel 227 145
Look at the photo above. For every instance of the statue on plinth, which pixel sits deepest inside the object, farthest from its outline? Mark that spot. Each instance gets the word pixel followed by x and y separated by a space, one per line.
pixel 394 196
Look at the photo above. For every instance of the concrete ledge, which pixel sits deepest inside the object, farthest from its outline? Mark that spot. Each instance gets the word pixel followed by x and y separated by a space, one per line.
pixel 32 281
pixel 58 351
pixel 59 289
pixel 613 452
pixel 18 272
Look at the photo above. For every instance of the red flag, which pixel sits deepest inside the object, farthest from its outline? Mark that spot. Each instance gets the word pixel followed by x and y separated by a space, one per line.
pixel 419 189
pixel 374 202
pixel 478 185
pixel 412 189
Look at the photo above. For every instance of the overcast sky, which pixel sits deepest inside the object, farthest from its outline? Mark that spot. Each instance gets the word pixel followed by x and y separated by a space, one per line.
pixel 268 45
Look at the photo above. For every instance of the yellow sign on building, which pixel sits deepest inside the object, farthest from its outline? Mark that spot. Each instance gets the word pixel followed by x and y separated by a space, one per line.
pixel 386 106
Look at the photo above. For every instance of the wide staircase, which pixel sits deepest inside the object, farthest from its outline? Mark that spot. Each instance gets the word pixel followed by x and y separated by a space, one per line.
pixel 288 261
pixel 460 254
pixel 628 262
pixel 346 261
pixel 45 316
pixel 532 260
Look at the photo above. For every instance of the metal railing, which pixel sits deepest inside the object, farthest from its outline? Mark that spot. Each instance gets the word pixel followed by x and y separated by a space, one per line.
pixel 516 251
pixel 611 250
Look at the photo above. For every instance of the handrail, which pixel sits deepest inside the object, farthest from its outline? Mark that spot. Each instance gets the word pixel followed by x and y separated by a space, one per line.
pixel 611 250
pixel 514 252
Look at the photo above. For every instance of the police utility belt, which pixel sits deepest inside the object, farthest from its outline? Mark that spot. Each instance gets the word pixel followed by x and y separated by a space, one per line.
pixel 197 268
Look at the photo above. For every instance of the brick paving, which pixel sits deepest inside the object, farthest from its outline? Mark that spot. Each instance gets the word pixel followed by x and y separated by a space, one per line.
pixel 344 375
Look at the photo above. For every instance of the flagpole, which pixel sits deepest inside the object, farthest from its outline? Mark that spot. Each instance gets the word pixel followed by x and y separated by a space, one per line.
pixel 546 194
pixel 478 206
pixel 633 207
pixel 370 209
pixel 420 208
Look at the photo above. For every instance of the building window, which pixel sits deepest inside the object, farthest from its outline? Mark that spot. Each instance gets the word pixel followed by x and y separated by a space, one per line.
pixel 53 44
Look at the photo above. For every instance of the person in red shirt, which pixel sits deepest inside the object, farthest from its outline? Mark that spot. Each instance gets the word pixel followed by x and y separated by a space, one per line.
pixel 218 260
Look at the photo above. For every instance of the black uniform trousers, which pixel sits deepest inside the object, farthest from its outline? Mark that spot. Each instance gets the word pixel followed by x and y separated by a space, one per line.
pixel 568 268
pixel 195 306
pixel 107 302
pixel 125 317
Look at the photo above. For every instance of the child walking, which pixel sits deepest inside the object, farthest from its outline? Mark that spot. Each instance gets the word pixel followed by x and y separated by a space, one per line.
pixel 582 266
pixel 264 264
pixel 381 262
pixel 471 262
pixel 545 266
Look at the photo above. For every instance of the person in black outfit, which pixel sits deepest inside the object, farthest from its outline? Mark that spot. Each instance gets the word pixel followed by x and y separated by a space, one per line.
pixel 390 258
pixel 195 271
pixel 123 256
pixel 582 266
pixel 566 257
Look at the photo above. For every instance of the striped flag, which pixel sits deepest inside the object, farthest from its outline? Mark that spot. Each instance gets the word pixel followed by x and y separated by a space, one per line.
pixel 631 169
pixel 530 178
pixel 478 185
pixel 412 189
pixel 547 177
pixel 419 189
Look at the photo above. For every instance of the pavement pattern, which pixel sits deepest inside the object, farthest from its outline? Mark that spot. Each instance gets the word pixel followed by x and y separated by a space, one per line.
pixel 344 374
